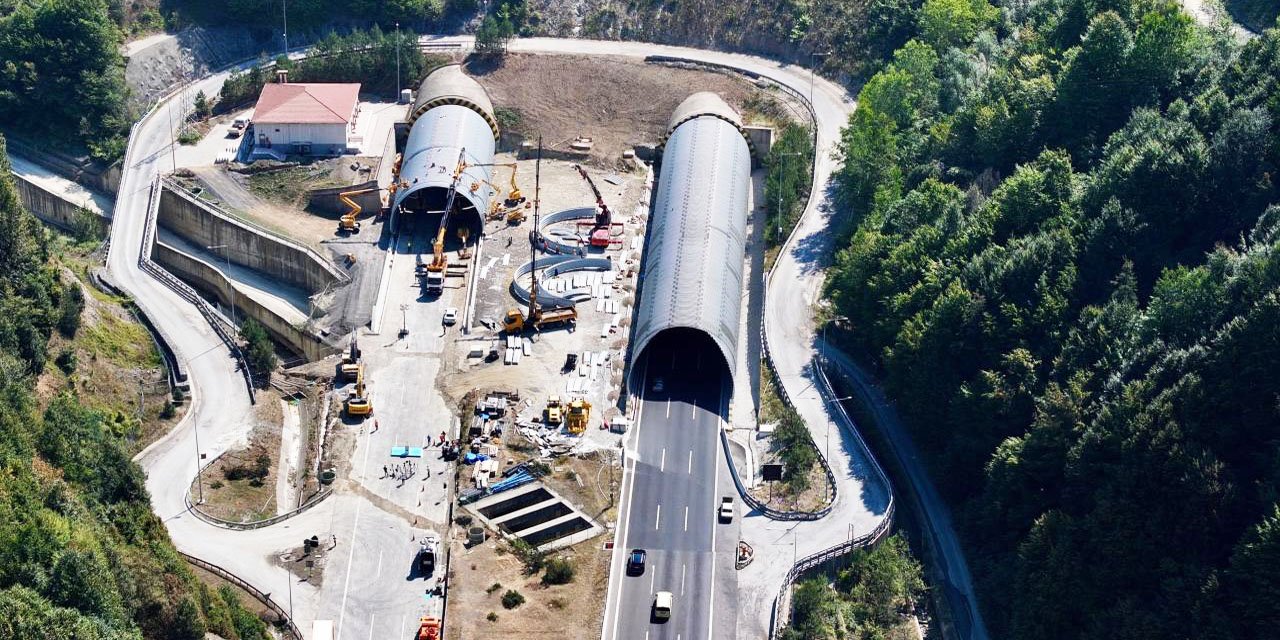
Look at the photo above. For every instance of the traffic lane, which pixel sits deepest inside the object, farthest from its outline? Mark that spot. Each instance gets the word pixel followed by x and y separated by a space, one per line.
pixel 673 518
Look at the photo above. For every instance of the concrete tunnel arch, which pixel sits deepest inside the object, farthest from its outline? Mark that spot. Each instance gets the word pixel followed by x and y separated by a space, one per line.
pixel 691 279
pixel 452 114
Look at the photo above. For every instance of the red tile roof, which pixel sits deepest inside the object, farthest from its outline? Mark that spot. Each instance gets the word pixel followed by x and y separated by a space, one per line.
pixel 306 103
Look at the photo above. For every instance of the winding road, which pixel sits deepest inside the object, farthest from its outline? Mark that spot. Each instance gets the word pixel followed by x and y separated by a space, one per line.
pixel 366 606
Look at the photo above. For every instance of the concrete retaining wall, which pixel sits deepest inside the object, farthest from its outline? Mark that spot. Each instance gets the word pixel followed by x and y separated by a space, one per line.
pixel 202 224
pixel 326 201
pixel 210 280
pixel 53 209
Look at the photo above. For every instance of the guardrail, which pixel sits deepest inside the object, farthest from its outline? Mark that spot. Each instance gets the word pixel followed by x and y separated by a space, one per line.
pixel 264 598
pixel 221 326
pixel 258 524
pixel 781 609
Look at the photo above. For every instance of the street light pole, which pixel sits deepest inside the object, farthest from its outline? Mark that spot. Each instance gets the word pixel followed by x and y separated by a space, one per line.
pixel 813 72
pixel 284 16
pixel 195 430
pixel 397 62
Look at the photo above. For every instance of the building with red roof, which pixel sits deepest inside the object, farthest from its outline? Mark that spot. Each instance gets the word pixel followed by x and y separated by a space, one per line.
pixel 305 118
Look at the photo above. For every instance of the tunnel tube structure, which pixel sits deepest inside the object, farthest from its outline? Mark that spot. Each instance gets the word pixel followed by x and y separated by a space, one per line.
pixel 691 279
pixel 452 116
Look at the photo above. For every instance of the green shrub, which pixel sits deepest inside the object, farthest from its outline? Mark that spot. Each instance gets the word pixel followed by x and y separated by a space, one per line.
pixel 70 306
pixel 558 571
pixel 512 599
pixel 492 617
pixel 493 587
pixel 66 360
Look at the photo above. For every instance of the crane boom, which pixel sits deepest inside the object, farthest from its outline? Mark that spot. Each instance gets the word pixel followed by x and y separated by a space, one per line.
pixel 438 263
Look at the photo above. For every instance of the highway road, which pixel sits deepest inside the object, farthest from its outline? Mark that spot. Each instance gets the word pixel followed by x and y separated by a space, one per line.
pixel 677 475
pixel 220 411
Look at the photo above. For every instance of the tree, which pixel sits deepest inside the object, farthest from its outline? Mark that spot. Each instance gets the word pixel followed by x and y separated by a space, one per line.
pixel 63 77
pixel 949 23
pixel 201 105
pixel 495 31
pixel 259 351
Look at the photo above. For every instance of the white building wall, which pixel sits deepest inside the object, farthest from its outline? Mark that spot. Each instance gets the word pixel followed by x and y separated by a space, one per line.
pixel 326 137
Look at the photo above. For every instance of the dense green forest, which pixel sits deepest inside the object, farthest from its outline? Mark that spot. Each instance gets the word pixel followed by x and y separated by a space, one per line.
pixel 1062 252
pixel 61 75
pixel 81 554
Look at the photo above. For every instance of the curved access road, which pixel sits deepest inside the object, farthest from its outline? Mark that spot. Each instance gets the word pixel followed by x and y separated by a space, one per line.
pixel 220 415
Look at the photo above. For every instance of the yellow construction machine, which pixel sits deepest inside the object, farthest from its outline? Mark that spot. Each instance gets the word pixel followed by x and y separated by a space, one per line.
pixel 358 402
pixel 537 318
pixel 435 269
pixel 578 416
pixel 554 413
pixel 349 223
pixel 513 208
pixel 351 367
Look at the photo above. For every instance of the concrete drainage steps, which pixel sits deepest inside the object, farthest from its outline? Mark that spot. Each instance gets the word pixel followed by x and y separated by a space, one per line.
pixel 536 514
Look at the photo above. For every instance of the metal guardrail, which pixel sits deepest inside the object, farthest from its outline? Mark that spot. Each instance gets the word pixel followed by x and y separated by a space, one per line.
pixel 264 598
pixel 257 524
pixel 782 603
pixel 220 325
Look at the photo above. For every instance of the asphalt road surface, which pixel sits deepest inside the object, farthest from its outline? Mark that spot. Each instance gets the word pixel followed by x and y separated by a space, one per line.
pixel 674 491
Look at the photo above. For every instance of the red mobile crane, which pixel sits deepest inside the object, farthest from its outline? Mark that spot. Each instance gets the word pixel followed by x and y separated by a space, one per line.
pixel 602 229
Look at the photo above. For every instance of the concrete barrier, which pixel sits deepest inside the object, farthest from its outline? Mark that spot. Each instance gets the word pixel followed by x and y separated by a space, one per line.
pixel 204 225
pixel 209 279
pixel 54 209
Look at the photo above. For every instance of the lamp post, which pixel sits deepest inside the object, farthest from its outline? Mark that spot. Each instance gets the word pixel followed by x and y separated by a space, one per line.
pixel 397 62
pixel 231 296
pixel 195 430
pixel 284 17
pixel 827 448
pixel 781 177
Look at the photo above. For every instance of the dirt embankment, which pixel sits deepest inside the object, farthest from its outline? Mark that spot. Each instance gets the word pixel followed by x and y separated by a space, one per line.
pixel 618 103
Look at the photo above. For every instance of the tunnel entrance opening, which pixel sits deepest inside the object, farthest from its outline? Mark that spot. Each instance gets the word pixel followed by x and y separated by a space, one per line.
pixel 428 204
pixel 680 356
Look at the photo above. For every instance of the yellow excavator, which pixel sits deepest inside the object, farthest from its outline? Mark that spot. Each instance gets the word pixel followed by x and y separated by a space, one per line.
pixel 358 402
pixel 351 367
pixel 435 269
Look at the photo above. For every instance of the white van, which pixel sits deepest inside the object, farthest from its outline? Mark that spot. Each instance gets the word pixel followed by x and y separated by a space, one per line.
pixel 662 602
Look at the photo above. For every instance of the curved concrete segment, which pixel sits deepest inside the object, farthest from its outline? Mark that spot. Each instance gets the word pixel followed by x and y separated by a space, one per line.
pixel 692 273
pixel 449 85
pixel 553 266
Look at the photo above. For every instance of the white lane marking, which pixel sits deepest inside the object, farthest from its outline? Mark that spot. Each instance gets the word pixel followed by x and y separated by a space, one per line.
pixel 355 529
pixel 370 626
pixel 686 520
pixel 401 627
pixel 691 461
pixel 711 619
pixel 682 568
pixel 662 465
pixel 624 528
pixel 693 410
pixel 657 520
pixel 379 573
pixel 653 579
pixel 668 407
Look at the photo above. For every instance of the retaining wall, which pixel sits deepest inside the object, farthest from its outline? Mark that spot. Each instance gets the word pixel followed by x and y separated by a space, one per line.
pixel 204 225
pixel 209 279
pixel 54 209
pixel 325 201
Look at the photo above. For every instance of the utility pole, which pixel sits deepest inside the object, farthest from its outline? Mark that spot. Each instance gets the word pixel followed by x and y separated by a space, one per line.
pixel 533 248
pixel 813 72
pixel 173 143
pixel 284 14
pixel 397 62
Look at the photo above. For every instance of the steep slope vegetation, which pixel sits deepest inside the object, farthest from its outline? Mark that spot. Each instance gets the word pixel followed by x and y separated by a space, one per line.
pixel 1062 253
pixel 81 554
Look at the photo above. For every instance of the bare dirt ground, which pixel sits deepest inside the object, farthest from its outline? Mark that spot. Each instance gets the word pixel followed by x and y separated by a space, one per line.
pixel 252 496
pixel 618 103
pixel 574 610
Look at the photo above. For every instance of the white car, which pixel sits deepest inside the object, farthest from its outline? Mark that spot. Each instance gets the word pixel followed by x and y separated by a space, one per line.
pixel 658 385
pixel 450 316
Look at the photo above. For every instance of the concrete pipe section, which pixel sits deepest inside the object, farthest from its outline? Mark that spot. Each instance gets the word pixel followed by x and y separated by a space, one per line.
pixel 683 363
pixel 452 116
